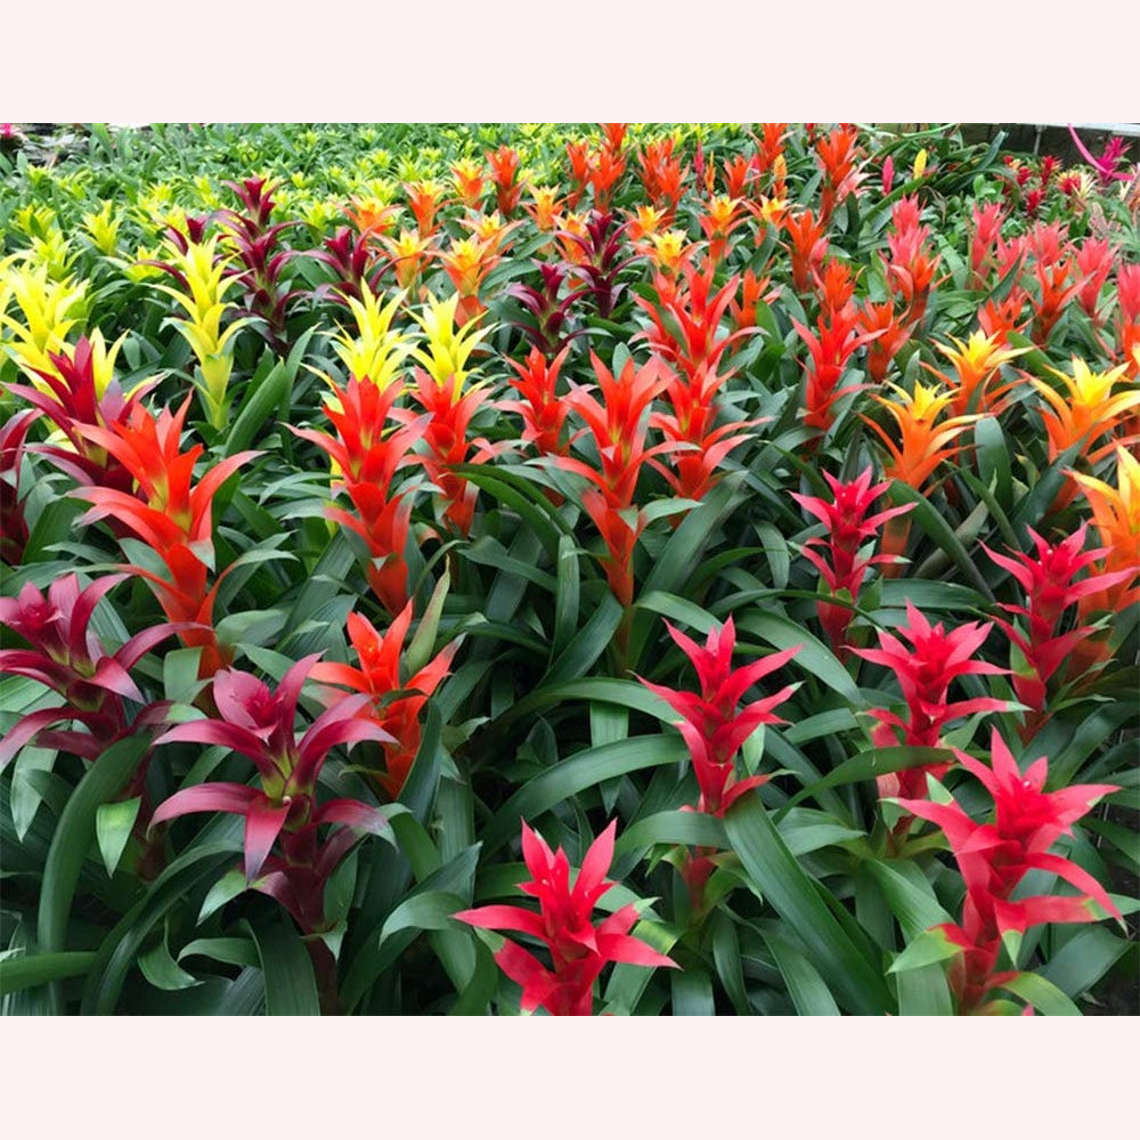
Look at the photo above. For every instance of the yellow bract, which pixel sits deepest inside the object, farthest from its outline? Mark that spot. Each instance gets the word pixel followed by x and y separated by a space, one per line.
pixel 49 309
pixel 447 348
pixel 202 328
pixel 378 350
pixel 103 229
pixel 1091 409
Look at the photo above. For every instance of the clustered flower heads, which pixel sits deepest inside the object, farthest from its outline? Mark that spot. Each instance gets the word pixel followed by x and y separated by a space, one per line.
pixel 362 495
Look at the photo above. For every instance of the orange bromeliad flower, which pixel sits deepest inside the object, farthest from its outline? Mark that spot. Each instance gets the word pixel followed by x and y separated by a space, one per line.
pixel 372 218
pixel 807 236
pixel 721 217
pixel 378 676
pixel 606 168
pixel 504 164
pixel 976 362
pixel 838 155
pixel 424 200
pixel 410 252
pixel 1056 291
pixel 892 332
pixel 468 177
pixel 754 291
pixel 738 172
pixel 1117 516
pixel 923 440
pixel 172 514
pixel 1090 412
pixel 544 207
pixel 467 262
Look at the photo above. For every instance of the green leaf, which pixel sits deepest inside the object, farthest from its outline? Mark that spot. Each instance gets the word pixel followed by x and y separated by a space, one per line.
pixel 909 895
pixel 694 829
pixel 28 970
pixel 581 771
pixel 162 971
pixel 290 985
pixel 419 651
pixel 113 823
pixel 232 951
pixel 814 657
pixel 567 595
pixel 692 993
pixel 589 643
pixel 808 991
pixel 73 838
pixel 229 886
pixel 1084 960
pixel 780 880
pixel 1042 994
pixel 929 947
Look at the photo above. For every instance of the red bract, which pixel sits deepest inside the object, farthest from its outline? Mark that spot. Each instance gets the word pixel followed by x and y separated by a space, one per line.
pixel 504 164
pixel 987 230
pixel 13 527
pixel 994 857
pixel 368 456
pixel 353 260
pixel 543 411
pixel 848 529
pixel 829 353
pixel 72 402
pixel 1095 260
pixel 662 174
pixel 619 425
pixel 67 657
pixel 1055 291
pixel 886 334
pixel 925 671
pixel 712 727
pixel 448 419
pixel 600 261
pixel 1050 590
pixel 172 514
pixel 1128 316
pixel 579 950
pixel 754 291
pixel 547 311
pixel 378 676
pixel 807 237
pixel 838 154
pixel 910 269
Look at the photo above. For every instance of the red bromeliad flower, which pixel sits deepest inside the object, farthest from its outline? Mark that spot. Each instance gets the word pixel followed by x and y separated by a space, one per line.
pixel 754 291
pixel 1050 590
pixel 711 725
pixel 925 671
pixel 67 657
pixel 1095 261
pixel 911 268
pixel 1055 292
pixel 13 526
pixel 378 676
pixel 807 237
pixel 547 312
pixel 367 456
pixel 848 530
pixel 838 154
pixel 172 514
pixel 352 258
pixel 1128 317
pixel 449 417
pixel 73 401
pixel 504 164
pixel 886 335
pixel 543 411
pixel 662 174
pixel 578 949
pixel 619 425
pixel 829 353
pixel 994 858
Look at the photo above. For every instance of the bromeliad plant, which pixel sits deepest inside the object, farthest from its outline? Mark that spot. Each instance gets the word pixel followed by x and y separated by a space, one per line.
pixel 504 386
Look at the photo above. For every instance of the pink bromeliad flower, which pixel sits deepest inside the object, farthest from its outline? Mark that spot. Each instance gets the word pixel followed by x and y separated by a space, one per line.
pixel 848 530
pixel 925 671
pixel 578 948
pixel 994 857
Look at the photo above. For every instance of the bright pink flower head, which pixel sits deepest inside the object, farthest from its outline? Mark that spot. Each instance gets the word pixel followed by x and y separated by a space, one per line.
pixel 578 949
pixel 711 725
pixel 994 857
pixel 848 528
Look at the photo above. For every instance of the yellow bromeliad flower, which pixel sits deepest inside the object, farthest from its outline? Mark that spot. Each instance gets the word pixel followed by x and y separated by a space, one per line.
pixel 544 208
pixel 205 305
pixel 102 228
pixel 975 363
pixel 47 310
pixel 378 350
pixel 923 440
pixel 448 348
pixel 1090 411
pixel 919 164
pixel 409 252
pixel 669 249
pixel 1117 515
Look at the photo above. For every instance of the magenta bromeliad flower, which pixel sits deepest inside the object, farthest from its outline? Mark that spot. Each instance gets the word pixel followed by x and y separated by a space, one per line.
pixel 258 723
pixel 67 657
pixel 848 529
pixel 578 948
pixel 994 857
